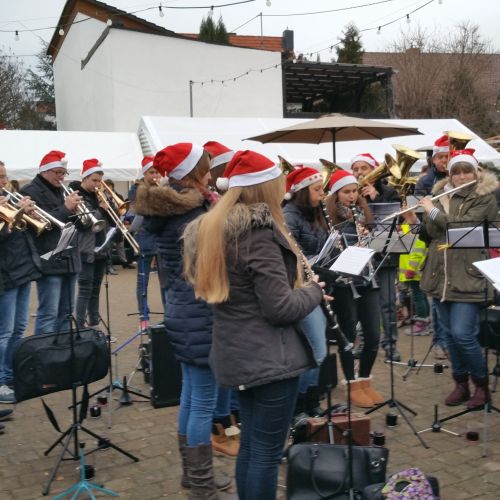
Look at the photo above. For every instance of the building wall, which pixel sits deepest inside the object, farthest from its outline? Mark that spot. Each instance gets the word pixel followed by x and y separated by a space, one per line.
pixel 132 74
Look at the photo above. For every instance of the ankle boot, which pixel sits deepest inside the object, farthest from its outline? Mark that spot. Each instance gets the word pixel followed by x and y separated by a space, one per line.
pixel 481 394
pixel 201 473
pixel 181 440
pixel 313 408
pixel 460 393
pixel 222 443
pixel 358 396
pixel 366 386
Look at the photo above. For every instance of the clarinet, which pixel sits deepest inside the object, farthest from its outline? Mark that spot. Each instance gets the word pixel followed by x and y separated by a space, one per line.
pixel 359 234
pixel 341 248
pixel 341 339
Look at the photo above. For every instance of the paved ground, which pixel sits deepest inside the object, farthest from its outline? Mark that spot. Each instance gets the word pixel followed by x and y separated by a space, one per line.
pixel 150 433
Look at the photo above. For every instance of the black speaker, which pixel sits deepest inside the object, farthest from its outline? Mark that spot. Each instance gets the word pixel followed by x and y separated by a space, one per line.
pixel 165 370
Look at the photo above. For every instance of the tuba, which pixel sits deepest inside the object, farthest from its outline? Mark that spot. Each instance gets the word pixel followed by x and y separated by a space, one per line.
pixel 405 158
pixel 328 169
pixel 285 166
pixel 390 167
pixel 458 140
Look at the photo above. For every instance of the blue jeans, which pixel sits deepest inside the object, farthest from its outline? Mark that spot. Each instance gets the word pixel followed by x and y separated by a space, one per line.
pixel 56 294
pixel 143 272
pixel 89 289
pixel 266 412
pixel 198 395
pixel 223 406
pixel 14 307
pixel 388 310
pixel 439 338
pixel 314 328
pixel 460 326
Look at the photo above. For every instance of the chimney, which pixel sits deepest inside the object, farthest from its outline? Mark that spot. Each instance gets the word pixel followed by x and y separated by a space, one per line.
pixel 288 40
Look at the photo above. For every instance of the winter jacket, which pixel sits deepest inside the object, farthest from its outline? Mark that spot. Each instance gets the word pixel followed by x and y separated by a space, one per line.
pixel 256 338
pixel 448 274
pixel 387 194
pixel 146 239
pixel 188 321
pixel 51 199
pixel 309 238
pixel 88 240
pixel 426 183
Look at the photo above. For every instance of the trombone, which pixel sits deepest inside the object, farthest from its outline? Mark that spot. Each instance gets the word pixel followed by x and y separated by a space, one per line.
pixel 87 218
pixel 41 220
pixel 121 207
pixel 116 219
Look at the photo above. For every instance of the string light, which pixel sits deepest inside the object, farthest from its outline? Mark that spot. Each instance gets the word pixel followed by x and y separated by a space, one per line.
pixel 16 36
pixel 408 20
pixel 61 32
pixel 109 22
pixel 211 11
pixel 160 11
pixel 440 2
pixel 379 30
pixel 268 3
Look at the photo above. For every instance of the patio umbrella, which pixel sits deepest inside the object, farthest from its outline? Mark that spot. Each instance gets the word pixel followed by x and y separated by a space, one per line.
pixel 333 128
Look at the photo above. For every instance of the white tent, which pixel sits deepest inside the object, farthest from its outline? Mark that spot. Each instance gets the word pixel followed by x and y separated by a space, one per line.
pixel 22 150
pixel 155 132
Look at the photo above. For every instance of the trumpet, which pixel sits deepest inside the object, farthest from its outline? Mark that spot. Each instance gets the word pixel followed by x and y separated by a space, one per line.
pixel 87 218
pixel 116 219
pixel 121 207
pixel 39 219
pixel 12 217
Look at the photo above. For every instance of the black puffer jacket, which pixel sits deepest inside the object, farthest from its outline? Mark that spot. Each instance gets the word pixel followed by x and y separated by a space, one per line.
pixel 51 199
pixel 426 182
pixel 188 320
pixel 309 237
pixel 256 338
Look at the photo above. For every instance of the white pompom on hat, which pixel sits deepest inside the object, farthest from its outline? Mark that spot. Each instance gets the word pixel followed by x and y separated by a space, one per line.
pixel 367 158
pixel 219 153
pixel 340 179
pixel 301 178
pixel 92 166
pixel 177 160
pixel 247 168
pixel 53 159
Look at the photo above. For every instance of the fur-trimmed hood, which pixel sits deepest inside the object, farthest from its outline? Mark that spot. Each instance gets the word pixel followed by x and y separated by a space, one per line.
pixel 166 201
pixel 486 183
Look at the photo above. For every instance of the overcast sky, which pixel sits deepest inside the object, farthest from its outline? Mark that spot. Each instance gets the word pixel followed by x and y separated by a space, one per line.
pixel 312 32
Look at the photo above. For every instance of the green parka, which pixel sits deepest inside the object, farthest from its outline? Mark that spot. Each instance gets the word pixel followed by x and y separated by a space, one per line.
pixel 449 275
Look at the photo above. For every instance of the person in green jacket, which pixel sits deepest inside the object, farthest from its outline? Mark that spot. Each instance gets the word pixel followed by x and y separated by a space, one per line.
pixel 449 276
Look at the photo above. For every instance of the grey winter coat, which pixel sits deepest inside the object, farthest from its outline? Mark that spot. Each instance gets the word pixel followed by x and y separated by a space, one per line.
pixel 256 339
pixel 449 275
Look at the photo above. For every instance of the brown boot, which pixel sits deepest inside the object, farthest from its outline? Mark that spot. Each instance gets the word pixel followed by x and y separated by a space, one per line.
pixel 358 395
pixel 366 386
pixel 481 394
pixel 201 473
pixel 460 393
pixel 181 440
pixel 223 443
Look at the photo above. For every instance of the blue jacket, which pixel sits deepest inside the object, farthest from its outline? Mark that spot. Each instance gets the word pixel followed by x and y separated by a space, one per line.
pixel 426 183
pixel 146 239
pixel 188 320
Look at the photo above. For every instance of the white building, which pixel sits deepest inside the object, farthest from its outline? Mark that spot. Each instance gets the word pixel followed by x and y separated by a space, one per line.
pixel 108 76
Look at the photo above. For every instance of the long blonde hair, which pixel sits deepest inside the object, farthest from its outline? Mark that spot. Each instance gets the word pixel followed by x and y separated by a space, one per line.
pixel 207 270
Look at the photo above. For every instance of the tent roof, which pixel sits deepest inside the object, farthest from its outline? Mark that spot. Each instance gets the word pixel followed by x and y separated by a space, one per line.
pixel 22 150
pixel 155 132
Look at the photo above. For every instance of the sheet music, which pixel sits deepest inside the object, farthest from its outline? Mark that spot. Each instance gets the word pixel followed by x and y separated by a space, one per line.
pixel 490 269
pixel 64 242
pixel 466 237
pixel 352 260
pixel 494 236
pixel 325 253
pixel 111 232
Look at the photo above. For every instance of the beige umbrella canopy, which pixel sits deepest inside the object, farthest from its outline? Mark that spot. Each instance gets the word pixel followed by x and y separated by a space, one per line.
pixel 333 128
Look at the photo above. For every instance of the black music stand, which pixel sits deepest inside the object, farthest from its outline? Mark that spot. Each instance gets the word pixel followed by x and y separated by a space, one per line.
pixel 482 234
pixel 387 242
pixel 71 433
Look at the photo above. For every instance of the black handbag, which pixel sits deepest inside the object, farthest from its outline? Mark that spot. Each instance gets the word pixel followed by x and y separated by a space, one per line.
pixel 320 471
pixel 42 363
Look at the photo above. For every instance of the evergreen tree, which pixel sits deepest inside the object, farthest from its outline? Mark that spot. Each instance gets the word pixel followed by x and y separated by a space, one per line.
pixel 221 35
pixel 210 32
pixel 350 50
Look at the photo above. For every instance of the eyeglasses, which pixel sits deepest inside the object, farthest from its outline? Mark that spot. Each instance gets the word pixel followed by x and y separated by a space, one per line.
pixel 4 176
pixel 60 173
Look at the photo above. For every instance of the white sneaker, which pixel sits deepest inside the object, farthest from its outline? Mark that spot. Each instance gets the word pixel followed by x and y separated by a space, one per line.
pixel 7 394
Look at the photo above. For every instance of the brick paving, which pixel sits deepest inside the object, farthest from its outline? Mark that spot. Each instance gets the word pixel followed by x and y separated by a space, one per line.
pixel 149 433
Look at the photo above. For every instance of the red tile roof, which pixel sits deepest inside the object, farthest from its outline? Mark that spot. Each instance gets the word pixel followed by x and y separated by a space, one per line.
pixel 272 43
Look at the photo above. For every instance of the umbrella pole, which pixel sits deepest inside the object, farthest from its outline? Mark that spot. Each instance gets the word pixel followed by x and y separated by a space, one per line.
pixel 333 145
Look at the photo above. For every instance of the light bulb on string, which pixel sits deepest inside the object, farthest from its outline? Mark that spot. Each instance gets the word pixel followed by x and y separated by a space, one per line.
pixel 211 11
pixel 16 36
pixel 61 32
pixel 160 11
pixel 408 20
pixel 268 3
pixel 440 2
pixel 379 31
pixel 109 22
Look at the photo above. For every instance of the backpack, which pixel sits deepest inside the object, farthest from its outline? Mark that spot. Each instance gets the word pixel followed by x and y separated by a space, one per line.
pixel 408 484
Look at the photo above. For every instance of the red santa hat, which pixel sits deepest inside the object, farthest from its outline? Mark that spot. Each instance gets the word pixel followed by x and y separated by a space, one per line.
pixel 219 153
pixel 92 166
pixel 146 164
pixel 54 159
pixel 463 155
pixel 367 158
pixel 248 168
pixel 177 160
pixel 299 179
pixel 340 179
pixel 442 145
